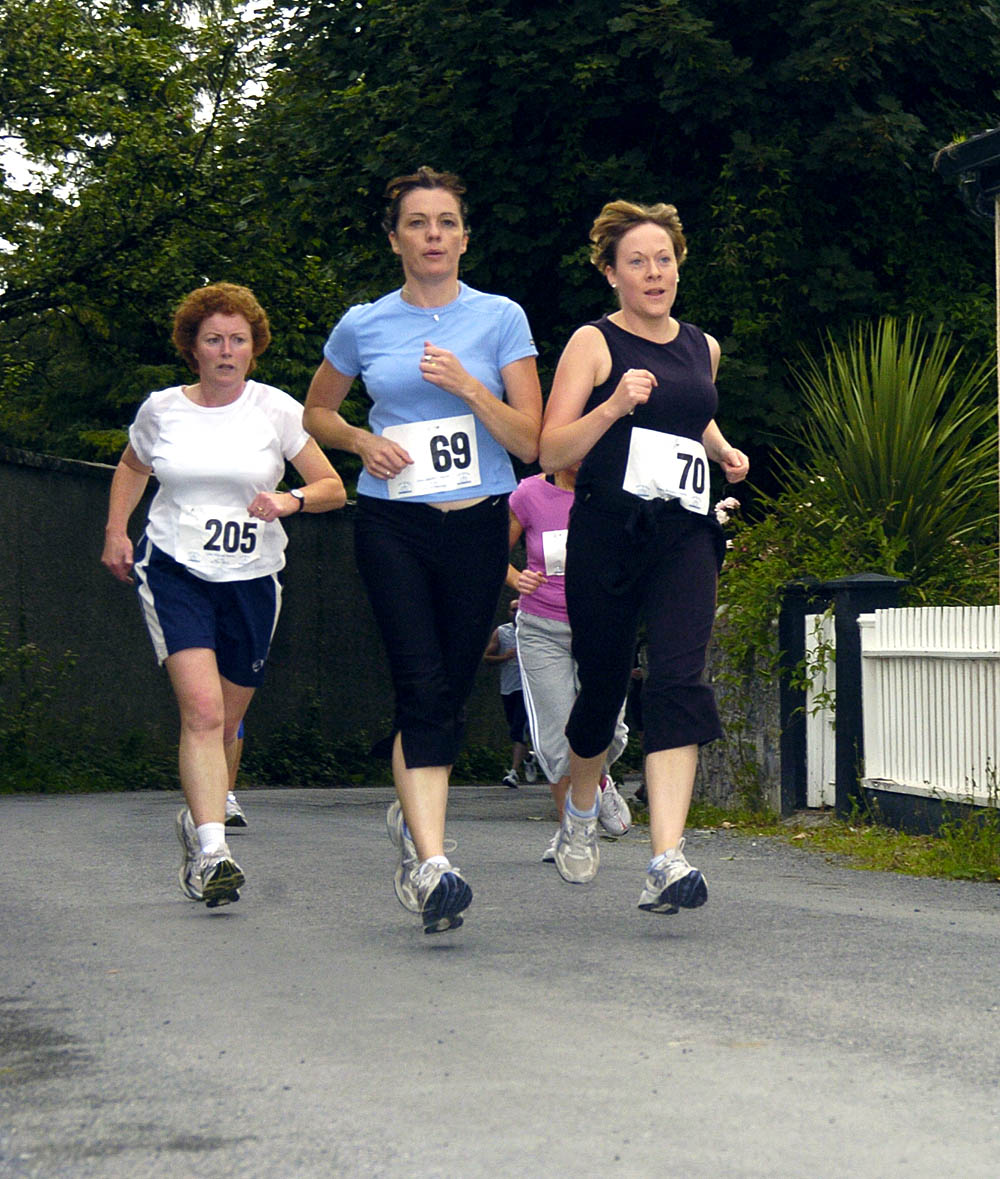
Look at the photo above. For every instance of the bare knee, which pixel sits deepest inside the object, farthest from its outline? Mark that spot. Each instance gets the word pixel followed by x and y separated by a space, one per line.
pixel 202 713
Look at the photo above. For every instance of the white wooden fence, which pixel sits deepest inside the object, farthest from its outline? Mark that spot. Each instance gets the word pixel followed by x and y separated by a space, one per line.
pixel 931 700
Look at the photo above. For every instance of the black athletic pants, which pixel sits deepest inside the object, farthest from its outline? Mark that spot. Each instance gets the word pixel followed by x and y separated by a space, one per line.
pixel 656 562
pixel 433 579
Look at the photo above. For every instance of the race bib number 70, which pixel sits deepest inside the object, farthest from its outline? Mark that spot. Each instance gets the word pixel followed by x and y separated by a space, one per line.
pixel 445 456
pixel 667 466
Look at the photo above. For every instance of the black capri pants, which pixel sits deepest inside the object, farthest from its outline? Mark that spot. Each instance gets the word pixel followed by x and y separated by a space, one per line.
pixel 655 561
pixel 433 579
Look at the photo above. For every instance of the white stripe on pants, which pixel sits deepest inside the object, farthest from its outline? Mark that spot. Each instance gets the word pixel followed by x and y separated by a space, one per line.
pixel 549 680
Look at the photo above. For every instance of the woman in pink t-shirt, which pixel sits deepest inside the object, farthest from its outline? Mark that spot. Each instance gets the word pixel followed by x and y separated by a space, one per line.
pixel 539 510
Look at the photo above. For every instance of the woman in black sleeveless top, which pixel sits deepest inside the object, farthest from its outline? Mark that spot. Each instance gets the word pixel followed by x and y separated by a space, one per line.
pixel 634 397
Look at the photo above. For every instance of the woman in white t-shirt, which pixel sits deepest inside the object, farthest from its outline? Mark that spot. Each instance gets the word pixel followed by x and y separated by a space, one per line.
pixel 207 565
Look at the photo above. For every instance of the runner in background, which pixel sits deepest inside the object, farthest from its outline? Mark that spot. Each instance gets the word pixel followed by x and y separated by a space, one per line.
pixel 539 510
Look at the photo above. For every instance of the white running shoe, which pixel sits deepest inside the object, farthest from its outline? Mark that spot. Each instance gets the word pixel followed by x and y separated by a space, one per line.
pixel 234 813
pixel 221 877
pixel 577 855
pixel 672 884
pixel 614 815
pixel 549 855
pixel 215 878
pixel 402 882
pixel 188 875
pixel 510 779
pixel 530 767
pixel 442 895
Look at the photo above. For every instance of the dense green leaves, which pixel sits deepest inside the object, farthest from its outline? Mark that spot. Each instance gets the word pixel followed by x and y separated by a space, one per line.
pixel 898 475
pixel 795 138
pixel 902 428
pixel 125 112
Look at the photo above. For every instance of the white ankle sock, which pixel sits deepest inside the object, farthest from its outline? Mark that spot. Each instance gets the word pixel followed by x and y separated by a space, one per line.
pixel 441 861
pixel 211 836
pixel 584 814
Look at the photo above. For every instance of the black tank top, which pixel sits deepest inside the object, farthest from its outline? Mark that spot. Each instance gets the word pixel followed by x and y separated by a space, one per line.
pixel 684 401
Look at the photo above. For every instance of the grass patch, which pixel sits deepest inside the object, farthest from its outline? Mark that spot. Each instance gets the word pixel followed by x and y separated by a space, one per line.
pixel 966 847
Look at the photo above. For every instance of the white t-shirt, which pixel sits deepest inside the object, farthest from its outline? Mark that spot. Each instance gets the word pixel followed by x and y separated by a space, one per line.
pixel 210 463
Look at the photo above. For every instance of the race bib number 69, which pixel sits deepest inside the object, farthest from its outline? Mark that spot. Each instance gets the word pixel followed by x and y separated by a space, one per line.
pixel 444 452
pixel 667 466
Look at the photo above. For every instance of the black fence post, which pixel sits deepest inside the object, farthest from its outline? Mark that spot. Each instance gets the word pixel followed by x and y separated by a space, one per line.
pixel 852 596
pixel 798 598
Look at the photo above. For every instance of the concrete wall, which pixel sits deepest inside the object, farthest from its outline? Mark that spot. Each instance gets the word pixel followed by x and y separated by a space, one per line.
pixel 55 593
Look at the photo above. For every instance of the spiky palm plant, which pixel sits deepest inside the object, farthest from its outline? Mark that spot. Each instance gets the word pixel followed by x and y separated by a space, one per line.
pixel 900 426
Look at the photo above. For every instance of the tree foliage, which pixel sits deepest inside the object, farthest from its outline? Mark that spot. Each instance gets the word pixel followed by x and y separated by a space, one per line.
pixel 794 138
pixel 897 475
pixel 129 115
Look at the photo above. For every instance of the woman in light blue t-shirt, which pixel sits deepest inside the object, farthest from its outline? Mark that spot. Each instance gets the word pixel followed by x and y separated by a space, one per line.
pixel 454 386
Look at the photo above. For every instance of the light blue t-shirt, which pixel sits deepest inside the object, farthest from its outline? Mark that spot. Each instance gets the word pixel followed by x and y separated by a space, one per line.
pixel 382 342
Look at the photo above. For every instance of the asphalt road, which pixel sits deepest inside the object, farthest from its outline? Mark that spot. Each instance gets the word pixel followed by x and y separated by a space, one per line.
pixel 811 1020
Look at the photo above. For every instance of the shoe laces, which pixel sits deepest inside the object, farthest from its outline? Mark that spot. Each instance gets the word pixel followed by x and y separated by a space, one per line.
pixel 671 859
pixel 425 873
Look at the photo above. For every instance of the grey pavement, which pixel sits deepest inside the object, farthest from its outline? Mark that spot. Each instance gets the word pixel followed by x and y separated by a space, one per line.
pixel 810 1020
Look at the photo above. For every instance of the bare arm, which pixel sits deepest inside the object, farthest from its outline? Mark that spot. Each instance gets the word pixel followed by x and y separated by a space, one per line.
pixel 524 581
pixel 734 463
pixel 492 653
pixel 513 422
pixel 322 418
pixel 323 490
pixel 127 485
pixel 568 434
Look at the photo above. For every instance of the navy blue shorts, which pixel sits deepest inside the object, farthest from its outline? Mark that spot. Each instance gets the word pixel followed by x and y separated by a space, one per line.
pixel 516 714
pixel 235 619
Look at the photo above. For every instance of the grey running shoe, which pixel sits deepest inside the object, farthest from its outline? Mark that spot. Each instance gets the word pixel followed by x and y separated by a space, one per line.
pixel 442 896
pixel 221 877
pixel 188 875
pixel 549 855
pixel 577 855
pixel 672 884
pixel 234 813
pixel 530 768
pixel 614 815
pixel 402 882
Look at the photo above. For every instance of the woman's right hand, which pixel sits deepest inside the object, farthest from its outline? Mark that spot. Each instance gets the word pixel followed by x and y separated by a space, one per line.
pixel 117 557
pixel 383 458
pixel 528 580
pixel 633 389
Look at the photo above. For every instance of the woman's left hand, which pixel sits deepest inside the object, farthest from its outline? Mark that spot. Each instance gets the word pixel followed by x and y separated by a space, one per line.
pixel 444 369
pixel 735 465
pixel 270 505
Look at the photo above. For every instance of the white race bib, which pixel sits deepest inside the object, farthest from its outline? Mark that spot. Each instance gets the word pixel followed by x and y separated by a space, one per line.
pixel 666 466
pixel 554 551
pixel 445 456
pixel 213 537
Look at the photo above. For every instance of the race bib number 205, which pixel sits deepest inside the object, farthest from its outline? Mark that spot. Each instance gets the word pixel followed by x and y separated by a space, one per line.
pixel 444 452
pixel 214 537
pixel 667 466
